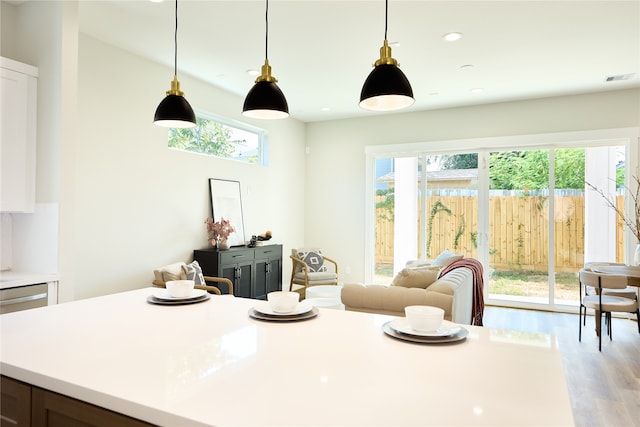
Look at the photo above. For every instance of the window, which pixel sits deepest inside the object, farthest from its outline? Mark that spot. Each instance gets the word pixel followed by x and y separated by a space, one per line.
pixel 222 138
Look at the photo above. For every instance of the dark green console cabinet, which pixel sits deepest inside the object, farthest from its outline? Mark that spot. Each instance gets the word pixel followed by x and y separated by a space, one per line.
pixel 254 272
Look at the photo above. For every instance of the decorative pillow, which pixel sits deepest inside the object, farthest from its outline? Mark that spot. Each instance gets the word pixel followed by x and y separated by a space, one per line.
pixel 418 263
pixel 193 272
pixel 445 258
pixel 313 259
pixel 415 277
pixel 171 272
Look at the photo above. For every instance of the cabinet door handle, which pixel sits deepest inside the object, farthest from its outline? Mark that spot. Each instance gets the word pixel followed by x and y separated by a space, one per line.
pixel 23 299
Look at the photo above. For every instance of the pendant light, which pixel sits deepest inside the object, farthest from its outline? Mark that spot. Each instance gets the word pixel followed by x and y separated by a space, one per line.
pixel 174 111
pixel 265 100
pixel 386 88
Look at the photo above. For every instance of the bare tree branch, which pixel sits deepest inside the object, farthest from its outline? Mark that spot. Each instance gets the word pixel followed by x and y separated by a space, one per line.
pixel 632 222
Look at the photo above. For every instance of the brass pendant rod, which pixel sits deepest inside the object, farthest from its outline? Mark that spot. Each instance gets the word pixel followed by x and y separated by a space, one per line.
pixel 175 43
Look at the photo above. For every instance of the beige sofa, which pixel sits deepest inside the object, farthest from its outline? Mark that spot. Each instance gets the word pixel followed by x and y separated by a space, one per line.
pixel 453 292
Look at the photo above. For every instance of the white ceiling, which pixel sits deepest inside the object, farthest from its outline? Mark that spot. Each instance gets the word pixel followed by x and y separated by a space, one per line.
pixel 321 51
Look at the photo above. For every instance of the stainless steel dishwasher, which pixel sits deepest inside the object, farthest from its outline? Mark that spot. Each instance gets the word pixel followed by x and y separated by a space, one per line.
pixel 23 297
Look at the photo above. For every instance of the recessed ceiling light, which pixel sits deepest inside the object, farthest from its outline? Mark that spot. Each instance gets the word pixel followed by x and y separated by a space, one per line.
pixel 451 37
pixel 155 1
pixel 476 90
pixel 466 67
pixel 325 109
pixel 253 72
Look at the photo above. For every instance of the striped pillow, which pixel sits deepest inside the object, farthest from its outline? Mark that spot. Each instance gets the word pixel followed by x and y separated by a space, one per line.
pixel 193 272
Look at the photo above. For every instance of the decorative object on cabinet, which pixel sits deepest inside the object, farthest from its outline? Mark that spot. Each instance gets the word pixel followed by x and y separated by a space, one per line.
pixel 219 232
pixel 386 88
pixel 174 111
pixel 192 271
pixel 261 238
pixel 227 203
pixel 266 236
pixel 254 271
pixel 265 100
pixel 18 91
pixel 311 268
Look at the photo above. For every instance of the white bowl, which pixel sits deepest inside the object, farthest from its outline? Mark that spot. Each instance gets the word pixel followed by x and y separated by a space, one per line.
pixel 283 301
pixel 180 288
pixel 424 318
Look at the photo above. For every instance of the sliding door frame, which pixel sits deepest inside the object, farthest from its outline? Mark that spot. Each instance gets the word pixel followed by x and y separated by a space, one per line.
pixel 627 137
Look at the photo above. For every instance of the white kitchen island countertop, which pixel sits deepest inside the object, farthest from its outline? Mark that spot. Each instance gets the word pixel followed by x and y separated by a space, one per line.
pixel 211 364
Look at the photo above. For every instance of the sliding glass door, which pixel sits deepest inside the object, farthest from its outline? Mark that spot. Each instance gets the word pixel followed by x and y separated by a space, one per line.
pixel 528 214
pixel 418 215
pixel 544 224
pixel 519 225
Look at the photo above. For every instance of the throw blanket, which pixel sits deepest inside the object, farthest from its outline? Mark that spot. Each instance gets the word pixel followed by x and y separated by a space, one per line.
pixel 477 309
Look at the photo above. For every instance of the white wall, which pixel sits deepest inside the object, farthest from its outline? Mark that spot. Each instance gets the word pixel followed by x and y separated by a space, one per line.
pixel 128 204
pixel 336 221
pixel 140 205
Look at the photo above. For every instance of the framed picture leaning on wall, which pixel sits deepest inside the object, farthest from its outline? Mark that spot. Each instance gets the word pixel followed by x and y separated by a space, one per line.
pixel 226 203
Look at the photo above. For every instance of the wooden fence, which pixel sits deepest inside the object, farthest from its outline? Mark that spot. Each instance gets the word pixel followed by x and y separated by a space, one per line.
pixel 518 230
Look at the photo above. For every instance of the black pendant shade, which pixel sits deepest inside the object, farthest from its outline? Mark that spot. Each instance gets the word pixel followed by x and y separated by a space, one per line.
pixel 265 100
pixel 174 112
pixel 386 89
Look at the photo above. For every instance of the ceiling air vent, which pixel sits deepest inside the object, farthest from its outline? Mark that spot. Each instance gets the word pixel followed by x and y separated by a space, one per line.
pixel 619 77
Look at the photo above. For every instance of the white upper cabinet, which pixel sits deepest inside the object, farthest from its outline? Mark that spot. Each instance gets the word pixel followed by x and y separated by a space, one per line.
pixel 18 91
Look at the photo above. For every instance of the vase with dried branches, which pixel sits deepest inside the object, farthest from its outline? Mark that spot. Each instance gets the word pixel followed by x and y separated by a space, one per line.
pixel 631 221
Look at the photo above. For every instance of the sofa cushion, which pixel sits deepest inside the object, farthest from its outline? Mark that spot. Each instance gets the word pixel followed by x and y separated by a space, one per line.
pixel 415 277
pixel 316 278
pixel 445 258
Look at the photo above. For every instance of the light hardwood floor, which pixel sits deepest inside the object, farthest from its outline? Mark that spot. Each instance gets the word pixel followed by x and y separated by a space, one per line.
pixel 604 387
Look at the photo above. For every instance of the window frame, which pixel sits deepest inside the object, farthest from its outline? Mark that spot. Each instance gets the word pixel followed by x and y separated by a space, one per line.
pixel 262 134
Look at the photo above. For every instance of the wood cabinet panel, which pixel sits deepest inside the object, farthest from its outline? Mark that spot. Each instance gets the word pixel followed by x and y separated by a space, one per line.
pixel 50 409
pixel 23 405
pixel 15 403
